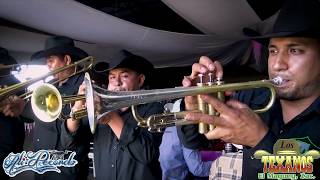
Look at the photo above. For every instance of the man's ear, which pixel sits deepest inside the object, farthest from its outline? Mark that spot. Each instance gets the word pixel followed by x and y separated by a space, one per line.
pixel 141 77
pixel 67 59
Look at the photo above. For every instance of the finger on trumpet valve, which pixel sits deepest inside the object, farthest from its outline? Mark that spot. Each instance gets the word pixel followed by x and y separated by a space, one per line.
pixel 211 79
pixel 202 106
pixel 211 110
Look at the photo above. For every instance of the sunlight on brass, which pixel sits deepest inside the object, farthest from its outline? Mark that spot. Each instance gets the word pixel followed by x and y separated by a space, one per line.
pixel 85 64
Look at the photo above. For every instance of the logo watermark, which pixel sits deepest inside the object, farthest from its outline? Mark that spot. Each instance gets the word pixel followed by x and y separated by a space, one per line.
pixel 287 162
pixel 40 162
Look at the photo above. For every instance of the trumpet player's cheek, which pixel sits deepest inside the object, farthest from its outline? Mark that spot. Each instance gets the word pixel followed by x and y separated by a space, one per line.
pixel 113 82
pixel 50 61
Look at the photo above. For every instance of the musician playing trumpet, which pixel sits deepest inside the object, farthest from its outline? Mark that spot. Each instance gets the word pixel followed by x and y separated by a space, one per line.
pixel 60 51
pixel 122 150
pixel 294 55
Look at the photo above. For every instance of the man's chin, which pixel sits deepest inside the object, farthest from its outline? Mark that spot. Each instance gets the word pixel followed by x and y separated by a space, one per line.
pixel 290 96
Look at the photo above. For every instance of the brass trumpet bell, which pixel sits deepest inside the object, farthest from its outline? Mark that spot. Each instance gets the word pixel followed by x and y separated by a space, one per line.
pixel 92 115
pixel 46 102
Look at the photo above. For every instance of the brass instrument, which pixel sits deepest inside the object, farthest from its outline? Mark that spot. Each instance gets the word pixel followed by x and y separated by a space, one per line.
pixel 156 123
pixel 11 67
pixel 100 101
pixel 46 102
pixel 86 64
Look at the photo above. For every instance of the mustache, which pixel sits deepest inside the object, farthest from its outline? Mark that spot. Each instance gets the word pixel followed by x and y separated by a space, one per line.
pixel 117 89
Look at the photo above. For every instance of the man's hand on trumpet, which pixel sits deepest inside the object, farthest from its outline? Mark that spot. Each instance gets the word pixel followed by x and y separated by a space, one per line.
pixel 81 103
pixel 237 123
pixel 78 105
pixel 13 106
pixel 73 124
pixel 205 66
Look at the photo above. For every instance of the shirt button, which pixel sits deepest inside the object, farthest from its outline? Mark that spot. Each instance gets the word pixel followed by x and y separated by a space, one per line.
pixel 112 165
pixel 38 140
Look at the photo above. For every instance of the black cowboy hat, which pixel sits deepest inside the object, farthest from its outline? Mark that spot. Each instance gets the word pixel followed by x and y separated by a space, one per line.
pixel 59 45
pixel 139 64
pixel 133 62
pixel 6 58
pixel 297 18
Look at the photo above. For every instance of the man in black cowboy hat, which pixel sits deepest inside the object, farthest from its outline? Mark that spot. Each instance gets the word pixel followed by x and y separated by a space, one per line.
pixel 294 56
pixel 11 126
pixel 61 51
pixel 122 150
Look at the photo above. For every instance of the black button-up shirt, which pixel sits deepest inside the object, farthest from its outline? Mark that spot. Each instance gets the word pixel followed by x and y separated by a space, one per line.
pixel 11 130
pixel 47 134
pixel 133 156
pixel 305 128
pixel 53 136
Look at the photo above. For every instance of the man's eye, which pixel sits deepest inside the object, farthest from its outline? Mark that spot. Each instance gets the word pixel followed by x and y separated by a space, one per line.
pixel 273 51
pixel 49 61
pixel 295 51
pixel 124 75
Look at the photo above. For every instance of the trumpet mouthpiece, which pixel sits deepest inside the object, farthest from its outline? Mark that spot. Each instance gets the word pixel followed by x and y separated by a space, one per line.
pixel 277 81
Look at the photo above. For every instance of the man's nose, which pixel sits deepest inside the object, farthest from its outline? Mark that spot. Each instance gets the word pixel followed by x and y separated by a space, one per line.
pixel 118 81
pixel 280 62
pixel 49 64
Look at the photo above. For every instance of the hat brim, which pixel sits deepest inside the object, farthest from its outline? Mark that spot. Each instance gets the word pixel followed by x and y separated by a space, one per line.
pixel 74 51
pixel 264 39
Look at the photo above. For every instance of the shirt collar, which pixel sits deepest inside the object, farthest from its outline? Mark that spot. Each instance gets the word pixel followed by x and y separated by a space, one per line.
pixel 314 107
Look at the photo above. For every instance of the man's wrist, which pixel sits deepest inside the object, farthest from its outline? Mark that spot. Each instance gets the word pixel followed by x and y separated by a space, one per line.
pixel 260 135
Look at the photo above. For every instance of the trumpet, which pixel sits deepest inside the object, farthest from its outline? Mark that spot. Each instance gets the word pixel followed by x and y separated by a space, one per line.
pixel 100 101
pixel 158 122
pixel 46 102
pixel 85 64
pixel 11 67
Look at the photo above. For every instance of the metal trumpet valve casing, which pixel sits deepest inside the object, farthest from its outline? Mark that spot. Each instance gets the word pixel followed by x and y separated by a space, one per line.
pixel 207 108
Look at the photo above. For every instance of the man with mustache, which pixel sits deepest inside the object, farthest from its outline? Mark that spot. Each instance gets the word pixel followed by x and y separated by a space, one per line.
pixel 294 55
pixel 122 150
